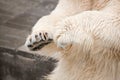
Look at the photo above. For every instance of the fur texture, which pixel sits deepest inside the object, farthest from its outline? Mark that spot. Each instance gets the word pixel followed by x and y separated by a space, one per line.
pixel 87 34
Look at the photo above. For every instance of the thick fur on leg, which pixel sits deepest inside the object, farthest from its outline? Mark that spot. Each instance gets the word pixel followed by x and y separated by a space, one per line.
pixel 94 54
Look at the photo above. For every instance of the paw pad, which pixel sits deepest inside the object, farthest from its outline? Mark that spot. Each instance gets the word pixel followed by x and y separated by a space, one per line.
pixel 37 40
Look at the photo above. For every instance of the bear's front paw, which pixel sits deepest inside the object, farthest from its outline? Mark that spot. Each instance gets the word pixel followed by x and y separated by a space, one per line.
pixel 63 39
pixel 38 39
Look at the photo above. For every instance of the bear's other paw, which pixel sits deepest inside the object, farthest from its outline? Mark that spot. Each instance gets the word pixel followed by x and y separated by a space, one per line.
pixel 63 38
pixel 38 39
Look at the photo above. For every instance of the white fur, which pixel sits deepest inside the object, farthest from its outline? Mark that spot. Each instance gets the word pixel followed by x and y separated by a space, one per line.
pixel 88 33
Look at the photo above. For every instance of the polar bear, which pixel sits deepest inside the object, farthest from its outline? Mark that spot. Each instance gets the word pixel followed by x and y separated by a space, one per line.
pixel 86 34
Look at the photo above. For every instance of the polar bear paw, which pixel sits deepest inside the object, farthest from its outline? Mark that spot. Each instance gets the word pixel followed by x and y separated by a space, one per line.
pixel 63 42
pixel 63 38
pixel 38 39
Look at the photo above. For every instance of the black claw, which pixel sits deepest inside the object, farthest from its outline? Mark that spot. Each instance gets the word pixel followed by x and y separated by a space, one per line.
pixel 40 34
pixel 29 46
pixel 36 36
pixel 46 33
pixel 41 37
pixel 45 37
pixel 30 40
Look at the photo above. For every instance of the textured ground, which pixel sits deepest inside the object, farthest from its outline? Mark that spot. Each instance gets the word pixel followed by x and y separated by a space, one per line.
pixel 17 17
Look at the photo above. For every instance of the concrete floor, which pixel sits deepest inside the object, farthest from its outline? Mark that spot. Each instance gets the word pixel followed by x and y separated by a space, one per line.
pixel 17 17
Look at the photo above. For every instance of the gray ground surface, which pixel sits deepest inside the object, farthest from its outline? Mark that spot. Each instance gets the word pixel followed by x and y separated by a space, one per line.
pixel 17 17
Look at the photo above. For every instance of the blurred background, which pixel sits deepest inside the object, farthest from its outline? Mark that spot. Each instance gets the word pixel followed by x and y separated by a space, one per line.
pixel 17 17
